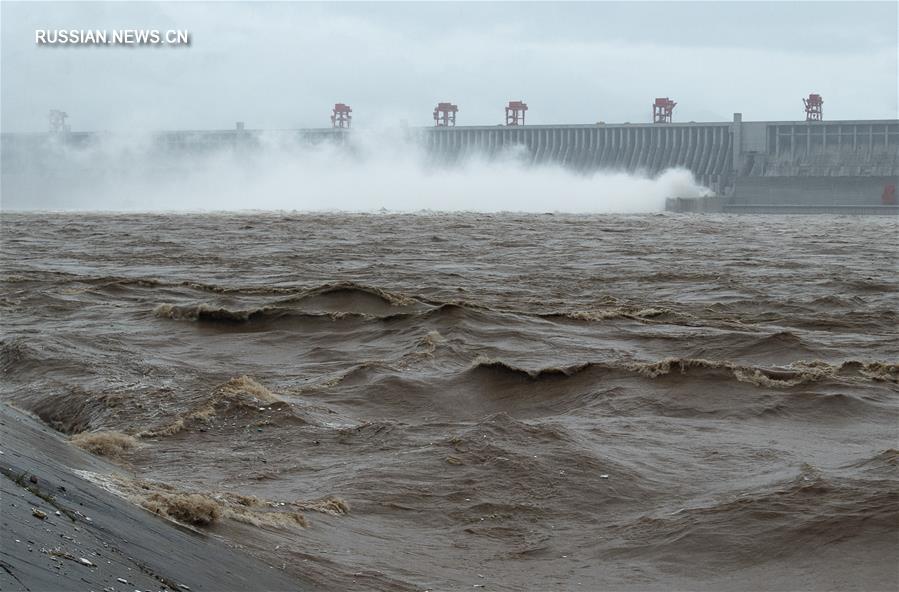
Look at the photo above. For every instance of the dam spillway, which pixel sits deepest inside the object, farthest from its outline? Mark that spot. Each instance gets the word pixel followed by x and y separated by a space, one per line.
pixel 704 149
pixel 752 166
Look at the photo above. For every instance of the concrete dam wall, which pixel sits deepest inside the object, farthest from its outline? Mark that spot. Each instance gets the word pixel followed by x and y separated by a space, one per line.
pixel 816 166
pixel 752 166
pixel 704 149
pixel 835 163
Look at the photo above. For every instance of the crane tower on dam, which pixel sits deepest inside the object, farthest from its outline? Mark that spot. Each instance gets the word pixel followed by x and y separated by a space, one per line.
pixel 341 116
pixel 662 110
pixel 515 111
pixel 814 107
pixel 445 114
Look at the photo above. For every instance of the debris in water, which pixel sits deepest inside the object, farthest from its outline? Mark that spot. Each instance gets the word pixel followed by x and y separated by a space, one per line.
pixel 38 514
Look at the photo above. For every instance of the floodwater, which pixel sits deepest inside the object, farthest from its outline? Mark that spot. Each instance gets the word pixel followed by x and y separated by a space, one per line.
pixel 457 401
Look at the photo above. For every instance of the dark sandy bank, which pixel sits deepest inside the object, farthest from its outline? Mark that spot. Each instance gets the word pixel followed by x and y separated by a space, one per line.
pixel 61 532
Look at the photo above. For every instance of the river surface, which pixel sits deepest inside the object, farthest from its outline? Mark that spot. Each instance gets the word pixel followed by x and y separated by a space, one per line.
pixel 519 402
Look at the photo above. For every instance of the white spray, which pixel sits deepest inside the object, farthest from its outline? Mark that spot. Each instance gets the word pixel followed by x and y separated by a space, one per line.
pixel 375 171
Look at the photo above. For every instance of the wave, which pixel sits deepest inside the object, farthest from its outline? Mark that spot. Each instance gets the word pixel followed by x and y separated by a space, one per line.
pixel 357 293
pixel 484 363
pixel 204 508
pixel 75 409
pixel 669 388
pixel 758 376
pixel 241 396
pixel 321 294
pixel 344 299
pixel 636 313
pixel 808 509
pixel 882 465
pixel 794 375
pixel 16 354
pixel 209 313
pixel 780 343
pixel 352 297
pixel 336 301
pixel 497 471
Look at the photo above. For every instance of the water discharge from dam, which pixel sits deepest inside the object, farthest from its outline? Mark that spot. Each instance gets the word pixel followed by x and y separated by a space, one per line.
pixel 753 167
pixel 367 172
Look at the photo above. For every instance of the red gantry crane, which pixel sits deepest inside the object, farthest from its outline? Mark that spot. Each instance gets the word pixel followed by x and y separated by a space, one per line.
pixel 445 115
pixel 813 107
pixel 58 121
pixel 515 112
pixel 341 116
pixel 662 110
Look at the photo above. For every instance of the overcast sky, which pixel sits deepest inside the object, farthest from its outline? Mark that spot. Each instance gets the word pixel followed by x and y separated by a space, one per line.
pixel 283 65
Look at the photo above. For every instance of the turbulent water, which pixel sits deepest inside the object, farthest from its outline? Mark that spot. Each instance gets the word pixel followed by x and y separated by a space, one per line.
pixel 507 401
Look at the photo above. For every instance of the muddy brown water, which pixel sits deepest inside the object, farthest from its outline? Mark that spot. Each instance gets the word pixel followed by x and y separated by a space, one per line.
pixel 534 402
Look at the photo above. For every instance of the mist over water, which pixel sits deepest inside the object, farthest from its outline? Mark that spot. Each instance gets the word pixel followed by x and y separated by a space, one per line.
pixel 372 171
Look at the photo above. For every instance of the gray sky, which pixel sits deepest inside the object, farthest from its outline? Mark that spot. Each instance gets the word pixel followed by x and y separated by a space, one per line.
pixel 282 65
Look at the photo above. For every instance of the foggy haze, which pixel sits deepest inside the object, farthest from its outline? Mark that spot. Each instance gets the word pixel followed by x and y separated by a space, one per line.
pixel 375 171
pixel 283 65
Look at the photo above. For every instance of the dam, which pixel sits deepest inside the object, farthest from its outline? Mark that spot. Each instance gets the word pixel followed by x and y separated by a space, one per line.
pixel 842 166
